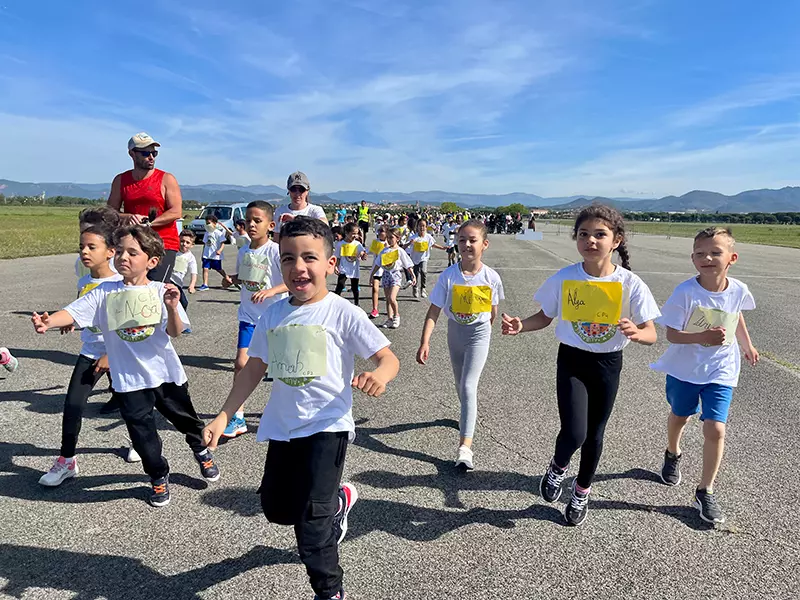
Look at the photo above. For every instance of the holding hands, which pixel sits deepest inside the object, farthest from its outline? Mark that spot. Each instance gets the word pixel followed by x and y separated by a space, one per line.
pixel 511 325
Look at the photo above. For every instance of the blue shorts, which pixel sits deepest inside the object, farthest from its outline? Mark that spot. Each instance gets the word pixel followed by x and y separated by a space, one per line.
pixel 245 335
pixel 685 399
pixel 212 263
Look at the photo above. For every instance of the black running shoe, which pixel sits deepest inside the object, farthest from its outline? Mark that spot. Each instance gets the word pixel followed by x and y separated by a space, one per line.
pixel 706 503
pixel 208 467
pixel 671 471
pixel 550 484
pixel 160 495
pixel 577 508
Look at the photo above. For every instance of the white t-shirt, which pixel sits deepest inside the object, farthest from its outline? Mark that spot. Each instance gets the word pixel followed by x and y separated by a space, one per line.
pixel 81 271
pixel 695 363
pixel 442 294
pixel 212 242
pixel 418 257
pixel 310 210
pixel 242 239
pixel 638 305
pixel 266 275
pixel 403 260
pixel 302 407
pixel 449 234
pixel 185 262
pixel 377 260
pixel 92 338
pixel 140 357
pixel 349 265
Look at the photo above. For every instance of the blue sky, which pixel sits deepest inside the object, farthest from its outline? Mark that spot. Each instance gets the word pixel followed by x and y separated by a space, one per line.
pixel 616 98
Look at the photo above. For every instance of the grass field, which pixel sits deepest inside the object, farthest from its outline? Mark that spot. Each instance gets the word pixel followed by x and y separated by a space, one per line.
pixel 40 230
pixel 768 235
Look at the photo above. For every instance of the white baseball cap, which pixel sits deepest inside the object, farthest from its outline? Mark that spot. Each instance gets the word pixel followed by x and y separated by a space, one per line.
pixel 141 140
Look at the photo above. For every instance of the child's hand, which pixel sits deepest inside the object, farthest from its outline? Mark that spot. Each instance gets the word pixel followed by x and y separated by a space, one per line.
pixel 213 431
pixel 423 353
pixel 192 289
pixel 713 337
pixel 40 322
pixel 751 355
pixel 67 329
pixel 260 296
pixel 413 282
pixel 171 295
pixel 336 271
pixel 511 325
pixel 101 364
pixel 369 384
pixel 629 329
pixel 226 283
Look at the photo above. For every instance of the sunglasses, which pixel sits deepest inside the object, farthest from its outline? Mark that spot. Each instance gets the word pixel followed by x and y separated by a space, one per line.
pixel 296 189
pixel 147 153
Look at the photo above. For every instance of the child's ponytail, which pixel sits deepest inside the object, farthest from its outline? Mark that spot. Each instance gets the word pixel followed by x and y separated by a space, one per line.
pixel 624 255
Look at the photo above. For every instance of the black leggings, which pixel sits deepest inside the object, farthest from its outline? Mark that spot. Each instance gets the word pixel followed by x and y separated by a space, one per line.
pixel 340 282
pixel 81 385
pixel 586 384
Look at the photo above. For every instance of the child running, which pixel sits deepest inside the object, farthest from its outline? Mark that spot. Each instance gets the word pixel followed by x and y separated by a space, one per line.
pixel 310 342
pixel 213 245
pixel 137 318
pixel 704 321
pixel 582 296
pixel 259 275
pixel 420 244
pixel 393 260
pixel 349 254
pixel 469 292
pixel 376 276
pixel 185 263
pixel 96 250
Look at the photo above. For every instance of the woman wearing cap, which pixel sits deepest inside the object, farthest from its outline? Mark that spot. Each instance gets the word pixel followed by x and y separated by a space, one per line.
pixel 298 187
pixel 149 195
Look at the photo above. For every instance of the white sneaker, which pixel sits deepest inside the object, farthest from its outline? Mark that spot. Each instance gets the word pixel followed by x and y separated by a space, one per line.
pixel 407 284
pixel 387 324
pixel 394 323
pixel 465 458
pixel 9 362
pixel 424 293
pixel 60 471
pixel 132 456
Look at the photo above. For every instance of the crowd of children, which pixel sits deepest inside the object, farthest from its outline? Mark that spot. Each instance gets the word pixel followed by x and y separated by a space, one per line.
pixel 306 338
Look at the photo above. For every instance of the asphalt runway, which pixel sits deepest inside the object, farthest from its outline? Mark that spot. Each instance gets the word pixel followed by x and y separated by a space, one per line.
pixel 421 529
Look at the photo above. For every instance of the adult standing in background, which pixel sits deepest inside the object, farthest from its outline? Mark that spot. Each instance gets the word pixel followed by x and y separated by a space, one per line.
pixel 149 195
pixel 363 218
pixel 299 187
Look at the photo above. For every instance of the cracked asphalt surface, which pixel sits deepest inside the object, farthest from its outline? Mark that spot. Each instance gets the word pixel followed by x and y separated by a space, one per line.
pixel 420 529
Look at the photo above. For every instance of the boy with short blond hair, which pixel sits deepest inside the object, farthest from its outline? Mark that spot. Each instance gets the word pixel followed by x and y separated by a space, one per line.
pixel 704 322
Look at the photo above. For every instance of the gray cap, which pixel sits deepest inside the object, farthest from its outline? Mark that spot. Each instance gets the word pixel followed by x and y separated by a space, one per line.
pixel 298 178
pixel 141 140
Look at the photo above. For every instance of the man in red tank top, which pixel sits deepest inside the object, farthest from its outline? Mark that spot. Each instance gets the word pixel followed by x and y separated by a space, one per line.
pixel 148 195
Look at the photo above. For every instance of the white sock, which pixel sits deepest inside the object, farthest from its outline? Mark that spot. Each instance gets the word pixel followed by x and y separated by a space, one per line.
pixel 239 414
pixel 69 460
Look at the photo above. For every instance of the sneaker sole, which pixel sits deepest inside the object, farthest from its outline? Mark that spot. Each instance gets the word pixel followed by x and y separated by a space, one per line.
pixel 665 482
pixel 59 482
pixel 353 500
pixel 212 479
pixel 159 504
pixel 579 523
pixel 699 508
pixel 238 432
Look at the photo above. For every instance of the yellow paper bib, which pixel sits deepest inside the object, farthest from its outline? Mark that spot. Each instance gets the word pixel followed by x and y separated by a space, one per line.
pixel 706 318
pixel 471 299
pixel 255 268
pixel 591 301
pixel 376 247
pixel 181 264
pixel 298 352
pixel 421 246
pixel 389 258
pixel 348 250
pixel 129 309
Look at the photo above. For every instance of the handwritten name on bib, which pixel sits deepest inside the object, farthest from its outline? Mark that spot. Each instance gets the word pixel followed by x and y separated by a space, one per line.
pixel 133 308
pixel 298 351
pixel 348 249
pixel 389 258
pixel 591 301
pixel 254 267
pixel 471 299
pixel 706 318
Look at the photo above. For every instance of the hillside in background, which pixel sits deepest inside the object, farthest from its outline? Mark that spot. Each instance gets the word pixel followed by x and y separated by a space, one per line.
pixel 783 200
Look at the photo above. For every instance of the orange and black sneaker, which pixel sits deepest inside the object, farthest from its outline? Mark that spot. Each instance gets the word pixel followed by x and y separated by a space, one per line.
pixel 208 467
pixel 160 495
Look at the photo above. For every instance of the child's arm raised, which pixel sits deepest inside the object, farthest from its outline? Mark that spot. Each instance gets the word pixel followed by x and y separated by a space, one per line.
pixel 743 337
pixel 515 325
pixel 427 330
pixel 42 323
pixel 373 383
pixel 246 381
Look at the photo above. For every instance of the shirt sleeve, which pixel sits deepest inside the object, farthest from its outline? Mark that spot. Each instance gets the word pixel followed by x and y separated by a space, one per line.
pixel 192 265
pixel 549 295
pixel 675 310
pixel 498 293
pixel 84 311
pixel 405 259
pixel 748 302
pixel 364 337
pixel 318 212
pixel 259 345
pixel 438 295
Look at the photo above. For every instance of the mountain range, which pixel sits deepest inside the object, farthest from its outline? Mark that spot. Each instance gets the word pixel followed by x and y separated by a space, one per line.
pixel 766 200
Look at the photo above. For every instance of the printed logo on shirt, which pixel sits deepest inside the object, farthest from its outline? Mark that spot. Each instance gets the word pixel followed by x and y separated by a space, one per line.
pixel 136 334
pixel 465 318
pixel 296 381
pixel 594 333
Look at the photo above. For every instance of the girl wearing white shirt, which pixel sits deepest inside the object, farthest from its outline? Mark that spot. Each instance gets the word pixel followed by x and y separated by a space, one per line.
pixel 420 244
pixel 377 275
pixel 601 308
pixel 469 293
pixel 348 261
pixel 394 260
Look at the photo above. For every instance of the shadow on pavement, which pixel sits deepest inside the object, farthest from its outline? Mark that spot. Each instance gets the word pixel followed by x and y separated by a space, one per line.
pixel 38 402
pixel 683 513
pixel 213 301
pixel 635 474
pixel 212 363
pixel 54 356
pixel 120 577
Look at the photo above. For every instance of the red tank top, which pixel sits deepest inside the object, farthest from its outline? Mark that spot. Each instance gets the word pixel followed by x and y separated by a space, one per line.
pixel 138 197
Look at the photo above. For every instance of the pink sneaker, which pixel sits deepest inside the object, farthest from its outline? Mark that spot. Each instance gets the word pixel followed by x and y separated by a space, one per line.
pixel 61 470
pixel 374 314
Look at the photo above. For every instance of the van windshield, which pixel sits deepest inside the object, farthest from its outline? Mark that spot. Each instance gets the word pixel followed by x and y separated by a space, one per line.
pixel 223 213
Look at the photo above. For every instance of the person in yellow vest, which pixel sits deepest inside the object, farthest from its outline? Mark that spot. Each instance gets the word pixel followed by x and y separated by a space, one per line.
pixel 363 218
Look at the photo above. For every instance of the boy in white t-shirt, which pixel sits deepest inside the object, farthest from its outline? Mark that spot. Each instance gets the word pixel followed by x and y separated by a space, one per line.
pixel 420 244
pixel 137 318
pixel 213 244
pixel 310 341
pixel 258 273
pixel 185 263
pixel 704 322
pixel 349 253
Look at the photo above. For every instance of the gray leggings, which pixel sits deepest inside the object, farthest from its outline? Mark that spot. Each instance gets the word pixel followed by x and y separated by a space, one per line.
pixel 469 349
